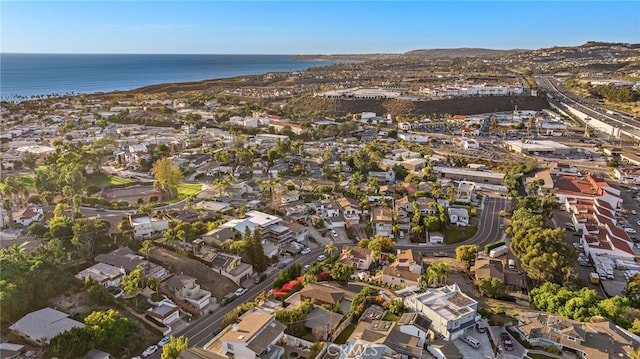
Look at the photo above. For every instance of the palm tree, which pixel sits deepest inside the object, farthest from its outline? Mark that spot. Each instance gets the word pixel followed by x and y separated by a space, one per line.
pixel 330 248
pixel 7 205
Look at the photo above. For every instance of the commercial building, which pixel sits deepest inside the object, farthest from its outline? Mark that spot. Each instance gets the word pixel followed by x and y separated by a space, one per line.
pixel 528 147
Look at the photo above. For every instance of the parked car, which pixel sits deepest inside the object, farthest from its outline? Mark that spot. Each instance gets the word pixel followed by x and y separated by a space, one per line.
pixel 259 278
pixel 164 341
pixel 230 297
pixel 506 341
pixel 306 267
pixel 149 351
pixel 240 291
pixel 440 254
pixel 334 234
pixel 305 251
pixel 322 258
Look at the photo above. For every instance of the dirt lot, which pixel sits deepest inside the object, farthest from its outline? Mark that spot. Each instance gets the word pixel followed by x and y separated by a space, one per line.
pixel 208 279
pixel 458 275
pixel 77 305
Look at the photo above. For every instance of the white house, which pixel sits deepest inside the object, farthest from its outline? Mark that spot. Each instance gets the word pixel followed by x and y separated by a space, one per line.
pixel 382 220
pixel 449 310
pixel 166 312
pixel 145 226
pixel 185 288
pixel 105 274
pixel 413 137
pixel 416 325
pixel 458 216
pixel 27 215
pixel 44 324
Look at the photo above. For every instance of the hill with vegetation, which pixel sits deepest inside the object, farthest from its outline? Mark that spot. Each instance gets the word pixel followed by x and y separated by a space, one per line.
pixel 461 106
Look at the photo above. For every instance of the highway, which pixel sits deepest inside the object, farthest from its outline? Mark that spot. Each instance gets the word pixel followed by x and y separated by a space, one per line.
pixel 628 126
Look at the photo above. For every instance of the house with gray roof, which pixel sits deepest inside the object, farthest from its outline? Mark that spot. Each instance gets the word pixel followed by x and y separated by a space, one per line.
pixel 43 324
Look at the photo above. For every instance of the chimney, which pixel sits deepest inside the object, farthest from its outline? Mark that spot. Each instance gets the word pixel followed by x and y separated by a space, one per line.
pixel 235 327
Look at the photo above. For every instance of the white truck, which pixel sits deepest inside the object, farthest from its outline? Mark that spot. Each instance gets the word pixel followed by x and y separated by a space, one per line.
pixel 499 251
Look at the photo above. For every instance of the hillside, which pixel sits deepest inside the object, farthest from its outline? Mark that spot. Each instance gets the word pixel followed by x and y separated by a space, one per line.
pixel 462 106
pixel 457 52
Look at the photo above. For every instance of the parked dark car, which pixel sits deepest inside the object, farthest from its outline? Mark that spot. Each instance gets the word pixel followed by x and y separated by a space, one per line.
pixel 228 299
pixel 259 278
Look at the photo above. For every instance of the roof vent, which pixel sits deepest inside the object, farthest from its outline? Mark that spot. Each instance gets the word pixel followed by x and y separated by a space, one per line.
pixel 235 327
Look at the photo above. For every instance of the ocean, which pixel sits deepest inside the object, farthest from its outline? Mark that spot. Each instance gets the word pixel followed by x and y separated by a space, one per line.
pixel 26 75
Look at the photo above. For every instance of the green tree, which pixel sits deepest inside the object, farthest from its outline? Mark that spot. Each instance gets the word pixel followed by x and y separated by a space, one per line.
pixel 172 349
pixel 108 329
pixel 632 290
pixel 341 272
pixel 168 176
pixel 87 232
pixel 71 344
pixel 492 288
pixel 437 274
pixel 29 159
pixel 467 254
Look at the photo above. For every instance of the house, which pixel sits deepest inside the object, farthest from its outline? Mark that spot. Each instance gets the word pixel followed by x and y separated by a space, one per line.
pixel 124 258
pixel 382 220
pixel 458 216
pixel 414 164
pixel 229 266
pixel 27 215
pixel 416 325
pixel 165 312
pixel 388 176
pixel 398 277
pixel 449 310
pixel 145 226
pixel 350 210
pixel 218 235
pixel 105 274
pixel 322 323
pixel 427 206
pixel 494 268
pixel 406 261
pixel 185 288
pixel 598 339
pixel 323 294
pixel 255 336
pixel 394 343
pixel 359 258
pixel 43 324
pixel 465 191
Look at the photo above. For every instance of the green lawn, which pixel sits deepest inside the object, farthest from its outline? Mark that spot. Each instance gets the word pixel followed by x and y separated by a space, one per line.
pixel 27 180
pixel 188 189
pixel 102 180
pixel 454 234
pixel 390 317
pixel 346 333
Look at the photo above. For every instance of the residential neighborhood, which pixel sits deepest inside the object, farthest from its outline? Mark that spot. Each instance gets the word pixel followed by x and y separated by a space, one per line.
pixel 261 230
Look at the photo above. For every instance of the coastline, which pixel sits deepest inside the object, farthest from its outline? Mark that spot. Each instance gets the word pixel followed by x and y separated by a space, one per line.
pixel 36 76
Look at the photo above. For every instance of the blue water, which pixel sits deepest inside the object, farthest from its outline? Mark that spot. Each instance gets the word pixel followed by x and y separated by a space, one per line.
pixel 26 75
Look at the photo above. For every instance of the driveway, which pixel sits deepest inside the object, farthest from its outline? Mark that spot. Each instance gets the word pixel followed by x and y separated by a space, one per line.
pixel 518 350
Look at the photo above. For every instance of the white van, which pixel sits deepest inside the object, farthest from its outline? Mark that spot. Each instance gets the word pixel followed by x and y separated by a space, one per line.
pixel 473 342
pixel 511 264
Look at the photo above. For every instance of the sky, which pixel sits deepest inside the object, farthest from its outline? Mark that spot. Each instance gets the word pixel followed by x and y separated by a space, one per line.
pixel 308 27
